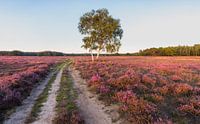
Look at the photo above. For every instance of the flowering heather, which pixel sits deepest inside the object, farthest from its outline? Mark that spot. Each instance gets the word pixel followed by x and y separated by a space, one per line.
pixel 190 109
pixel 95 78
pixel 182 88
pixel 18 75
pixel 104 89
pixel 148 79
pixel 157 98
pixel 147 89
pixel 125 96
pixel 175 78
pixel 139 109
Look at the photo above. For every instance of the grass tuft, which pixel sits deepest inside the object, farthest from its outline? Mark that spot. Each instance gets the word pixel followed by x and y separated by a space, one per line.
pixel 42 98
pixel 67 111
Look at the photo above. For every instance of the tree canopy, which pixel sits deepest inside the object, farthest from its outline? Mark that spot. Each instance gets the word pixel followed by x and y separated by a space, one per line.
pixel 172 51
pixel 102 32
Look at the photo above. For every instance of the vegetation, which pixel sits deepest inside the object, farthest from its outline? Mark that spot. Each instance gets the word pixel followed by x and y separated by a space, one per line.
pixel 18 76
pixel 147 89
pixel 20 53
pixel 66 108
pixel 102 30
pixel 161 51
pixel 171 51
pixel 144 90
pixel 42 98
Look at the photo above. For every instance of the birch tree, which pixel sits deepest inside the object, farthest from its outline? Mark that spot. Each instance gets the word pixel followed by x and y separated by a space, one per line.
pixel 102 32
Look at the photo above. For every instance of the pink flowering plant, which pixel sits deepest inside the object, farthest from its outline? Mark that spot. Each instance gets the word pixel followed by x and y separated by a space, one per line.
pixel 147 89
pixel 18 76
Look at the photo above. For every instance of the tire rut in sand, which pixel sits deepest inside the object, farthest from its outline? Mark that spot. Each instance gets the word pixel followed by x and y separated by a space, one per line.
pixel 47 113
pixel 91 109
pixel 21 112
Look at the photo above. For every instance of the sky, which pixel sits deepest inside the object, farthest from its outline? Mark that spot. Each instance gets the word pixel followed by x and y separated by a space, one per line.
pixel 38 25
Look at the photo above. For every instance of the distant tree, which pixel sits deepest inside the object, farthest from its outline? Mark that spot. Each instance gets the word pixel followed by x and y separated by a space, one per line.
pixel 16 53
pixel 21 53
pixel 172 51
pixel 103 32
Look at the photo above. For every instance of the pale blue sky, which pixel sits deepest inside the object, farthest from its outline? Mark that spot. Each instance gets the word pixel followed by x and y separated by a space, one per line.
pixel 36 25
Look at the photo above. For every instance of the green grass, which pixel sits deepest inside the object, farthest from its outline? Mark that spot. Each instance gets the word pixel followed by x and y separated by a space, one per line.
pixel 66 107
pixel 42 98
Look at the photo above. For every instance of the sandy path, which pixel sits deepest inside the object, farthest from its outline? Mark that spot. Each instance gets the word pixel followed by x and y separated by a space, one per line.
pixel 47 113
pixel 91 109
pixel 21 113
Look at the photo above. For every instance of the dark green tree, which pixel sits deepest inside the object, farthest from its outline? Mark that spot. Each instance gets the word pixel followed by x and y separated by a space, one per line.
pixel 172 51
pixel 102 32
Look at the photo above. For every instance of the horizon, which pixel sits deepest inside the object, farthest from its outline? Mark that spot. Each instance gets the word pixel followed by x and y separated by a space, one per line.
pixel 94 53
pixel 47 25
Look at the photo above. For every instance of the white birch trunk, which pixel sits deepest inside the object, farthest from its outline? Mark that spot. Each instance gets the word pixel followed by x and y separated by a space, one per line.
pixel 92 56
pixel 98 52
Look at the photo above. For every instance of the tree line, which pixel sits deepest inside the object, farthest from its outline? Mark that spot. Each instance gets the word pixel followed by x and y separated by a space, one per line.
pixel 52 53
pixel 21 53
pixel 171 51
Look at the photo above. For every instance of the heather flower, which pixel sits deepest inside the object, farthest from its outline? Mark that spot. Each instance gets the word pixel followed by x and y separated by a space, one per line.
pixel 162 90
pixel 95 78
pixel 148 79
pixel 198 83
pixel 157 98
pixel 196 90
pixel 124 108
pixel 160 78
pixel 175 78
pixel 182 88
pixel 186 108
pixel 124 96
pixel 125 81
pixel 104 89
pixel 22 73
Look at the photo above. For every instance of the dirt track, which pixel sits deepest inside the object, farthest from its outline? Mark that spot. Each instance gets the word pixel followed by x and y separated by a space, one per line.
pixel 21 113
pixel 91 109
pixel 47 113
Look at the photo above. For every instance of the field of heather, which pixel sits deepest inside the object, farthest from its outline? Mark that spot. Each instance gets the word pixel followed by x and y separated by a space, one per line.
pixel 18 76
pixel 125 89
pixel 147 89
pixel 99 62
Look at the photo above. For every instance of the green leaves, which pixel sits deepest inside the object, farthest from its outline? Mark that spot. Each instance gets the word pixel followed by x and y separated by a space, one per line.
pixel 102 31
